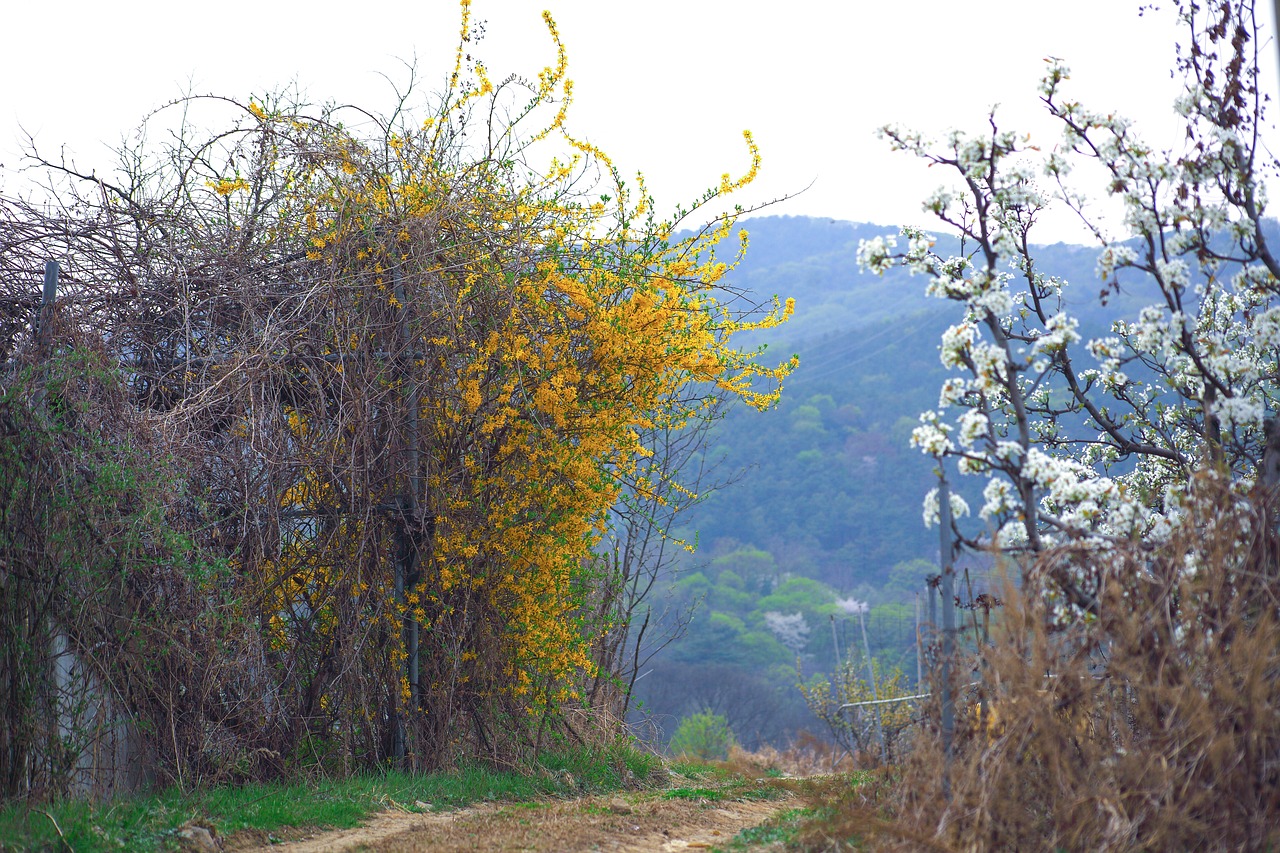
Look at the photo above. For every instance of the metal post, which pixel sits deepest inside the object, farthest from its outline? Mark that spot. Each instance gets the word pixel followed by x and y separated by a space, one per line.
pixel 920 641
pixel 44 323
pixel 875 692
pixel 947 553
pixel 406 562
pixel 835 643
pixel 411 520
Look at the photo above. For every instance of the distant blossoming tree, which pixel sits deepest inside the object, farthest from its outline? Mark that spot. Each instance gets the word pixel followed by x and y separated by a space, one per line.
pixel 792 630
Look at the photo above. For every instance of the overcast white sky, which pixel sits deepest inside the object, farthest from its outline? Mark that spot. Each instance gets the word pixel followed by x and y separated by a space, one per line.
pixel 665 86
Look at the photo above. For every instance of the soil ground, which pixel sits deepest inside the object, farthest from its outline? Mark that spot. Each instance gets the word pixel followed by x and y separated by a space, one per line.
pixel 652 820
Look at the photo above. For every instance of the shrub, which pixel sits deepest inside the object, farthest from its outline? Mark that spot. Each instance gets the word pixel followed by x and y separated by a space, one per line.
pixel 703 735
pixel 405 384
pixel 868 729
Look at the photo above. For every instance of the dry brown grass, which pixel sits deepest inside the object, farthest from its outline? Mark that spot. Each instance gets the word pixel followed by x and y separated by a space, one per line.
pixel 807 755
pixel 1154 726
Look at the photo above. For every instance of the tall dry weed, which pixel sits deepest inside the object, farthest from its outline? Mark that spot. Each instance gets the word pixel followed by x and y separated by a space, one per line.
pixel 1150 724
pixel 806 755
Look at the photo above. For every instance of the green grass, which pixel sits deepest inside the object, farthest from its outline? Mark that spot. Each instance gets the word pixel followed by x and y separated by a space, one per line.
pixel 696 769
pixel 149 823
pixel 717 781
pixel 694 794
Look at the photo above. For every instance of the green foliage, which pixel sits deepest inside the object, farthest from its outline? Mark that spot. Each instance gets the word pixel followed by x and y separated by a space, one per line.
pixel 750 564
pixel 703 735
pixel 692 588
pixel 103 580
pixel 907 578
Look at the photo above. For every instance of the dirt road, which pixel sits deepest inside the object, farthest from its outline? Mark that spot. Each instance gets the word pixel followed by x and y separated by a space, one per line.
pixel 678 819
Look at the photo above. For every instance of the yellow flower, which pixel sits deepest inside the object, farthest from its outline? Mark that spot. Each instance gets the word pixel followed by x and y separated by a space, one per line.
pixel 227 187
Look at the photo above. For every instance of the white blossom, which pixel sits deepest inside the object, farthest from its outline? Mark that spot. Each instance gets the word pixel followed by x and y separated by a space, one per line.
pixel 973 426
pixel 1114 257
pixel 1242 412
pixel 953 391
pixel 1060 333
pixel 931 437
pixel 1175 273
pixel 959 507
pixel 955 343
pixel 876 254
pixel 1265 328
pixel 1083 449
pixel 998 496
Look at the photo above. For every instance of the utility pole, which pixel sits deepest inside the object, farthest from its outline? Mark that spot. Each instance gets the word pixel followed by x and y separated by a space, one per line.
pixel 1275 26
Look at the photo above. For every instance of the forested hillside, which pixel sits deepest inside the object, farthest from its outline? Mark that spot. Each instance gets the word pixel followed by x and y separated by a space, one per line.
pixel 829 486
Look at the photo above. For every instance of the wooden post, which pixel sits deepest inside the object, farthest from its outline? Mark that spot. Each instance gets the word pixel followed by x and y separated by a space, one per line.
pixel 397 721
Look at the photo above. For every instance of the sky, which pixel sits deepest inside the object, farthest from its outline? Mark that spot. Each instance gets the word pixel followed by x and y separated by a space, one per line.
pixel 665 86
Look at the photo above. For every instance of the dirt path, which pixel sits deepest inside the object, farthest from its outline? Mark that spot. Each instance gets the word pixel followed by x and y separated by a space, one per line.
pixel 636 821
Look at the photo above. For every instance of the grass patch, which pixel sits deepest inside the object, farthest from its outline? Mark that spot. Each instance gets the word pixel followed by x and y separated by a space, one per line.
pixel 150 822
pixel 598 772
pixel 694 769
pixel 694 794
pixel 717 781
pixel 783 828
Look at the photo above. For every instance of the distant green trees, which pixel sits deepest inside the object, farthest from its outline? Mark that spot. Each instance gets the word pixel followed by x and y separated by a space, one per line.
pixel 774 619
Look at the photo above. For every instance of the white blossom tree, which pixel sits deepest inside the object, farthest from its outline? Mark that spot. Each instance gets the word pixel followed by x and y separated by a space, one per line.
pixel 791 630
pixel 1095 441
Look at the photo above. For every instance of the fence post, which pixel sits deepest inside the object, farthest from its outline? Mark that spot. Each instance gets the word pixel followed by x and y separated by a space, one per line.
pixel 406 557
pixel 947 591
pixel 875 691
pixel 44 323
pixel 919 647
pixel 411 508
